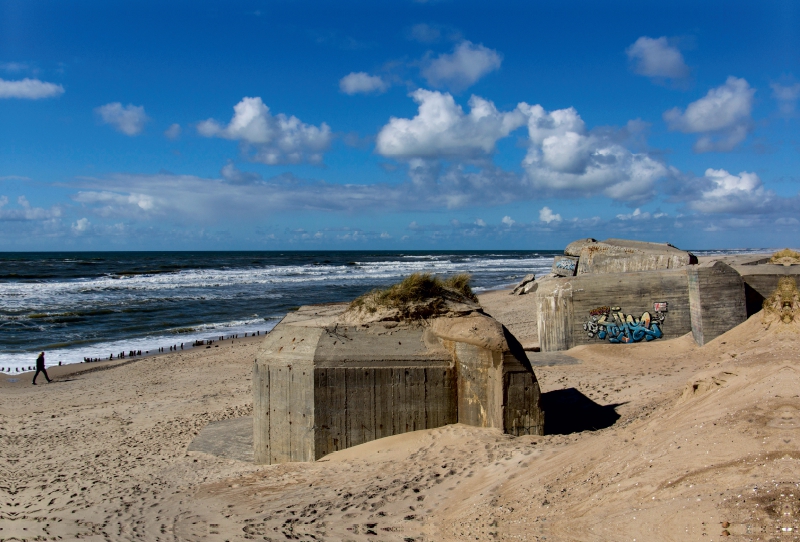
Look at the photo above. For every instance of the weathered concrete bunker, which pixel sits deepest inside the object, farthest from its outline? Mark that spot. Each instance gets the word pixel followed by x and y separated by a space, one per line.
pixel 321 383
pixel 629 291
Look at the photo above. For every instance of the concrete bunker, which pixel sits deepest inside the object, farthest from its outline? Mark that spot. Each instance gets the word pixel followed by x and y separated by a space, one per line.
pixel 326 380
pixel 630 291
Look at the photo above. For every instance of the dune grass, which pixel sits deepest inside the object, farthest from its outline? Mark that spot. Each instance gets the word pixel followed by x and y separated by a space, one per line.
pixel 785 256
pixel 415 289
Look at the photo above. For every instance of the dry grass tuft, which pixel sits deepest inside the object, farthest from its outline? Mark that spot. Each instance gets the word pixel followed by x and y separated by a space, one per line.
pixel 419 295
pixel 785 257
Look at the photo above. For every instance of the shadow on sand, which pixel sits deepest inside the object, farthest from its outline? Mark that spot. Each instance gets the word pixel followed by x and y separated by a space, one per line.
pixel 569 411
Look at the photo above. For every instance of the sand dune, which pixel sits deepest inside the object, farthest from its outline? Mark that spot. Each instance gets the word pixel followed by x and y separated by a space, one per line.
pixel 663 441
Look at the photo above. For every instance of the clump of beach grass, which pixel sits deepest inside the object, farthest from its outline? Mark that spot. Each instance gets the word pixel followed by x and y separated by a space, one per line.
pixel 785 257
pixel 419 295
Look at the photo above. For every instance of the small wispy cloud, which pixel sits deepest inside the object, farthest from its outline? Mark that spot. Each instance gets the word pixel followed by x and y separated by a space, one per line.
pixel 786 96
pixel 460 69
pixel 29 89
pixel 129 119
pixel 362 83
pixel 656 58
pixel 25 211
pixel 173 132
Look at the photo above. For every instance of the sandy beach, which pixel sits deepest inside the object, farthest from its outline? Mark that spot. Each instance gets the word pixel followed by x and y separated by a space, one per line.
pixel 663 440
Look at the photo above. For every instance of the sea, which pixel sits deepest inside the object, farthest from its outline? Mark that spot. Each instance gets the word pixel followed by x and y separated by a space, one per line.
pixel 79 305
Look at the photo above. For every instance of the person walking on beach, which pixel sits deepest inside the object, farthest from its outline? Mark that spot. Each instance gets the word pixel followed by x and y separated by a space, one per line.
pixel 40 368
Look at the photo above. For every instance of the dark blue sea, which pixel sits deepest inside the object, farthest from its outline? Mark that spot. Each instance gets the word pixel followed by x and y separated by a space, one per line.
pixel 77 305
pixel 93 304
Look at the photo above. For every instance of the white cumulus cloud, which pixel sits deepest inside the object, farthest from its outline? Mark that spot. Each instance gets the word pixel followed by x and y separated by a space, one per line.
pixel 566 158
pixel 464 66
pixel 362 83
pixel 547 215
pixel 655 57
pixel 29 89
pixel 80 225
pixel 442 129
pixel 724 192
pixel 722 116
pixel 129 119
pixel 508 221
pixel 277 139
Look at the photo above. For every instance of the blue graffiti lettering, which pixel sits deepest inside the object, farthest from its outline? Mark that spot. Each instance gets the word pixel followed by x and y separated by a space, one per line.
pixel 567 264
pixel 618 328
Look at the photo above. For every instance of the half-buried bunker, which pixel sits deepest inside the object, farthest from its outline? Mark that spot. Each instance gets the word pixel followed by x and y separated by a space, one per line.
pixel 416 356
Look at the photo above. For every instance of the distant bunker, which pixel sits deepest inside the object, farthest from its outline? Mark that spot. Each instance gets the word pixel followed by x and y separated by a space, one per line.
pixel 334 376
pixel 622 291
pixel 422 354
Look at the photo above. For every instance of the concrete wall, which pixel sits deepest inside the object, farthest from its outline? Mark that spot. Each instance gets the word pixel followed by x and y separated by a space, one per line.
pixel 554 314
pixel 564 304
pixel 319 386
pixel 522 414
pixel 717 300
pixel 356 405
pixel 623 256
pixel 764 278
pixel 498 388
pixel 283 407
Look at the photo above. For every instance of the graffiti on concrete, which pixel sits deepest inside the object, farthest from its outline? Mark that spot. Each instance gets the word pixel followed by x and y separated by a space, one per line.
pixel 566 264
pixel 617 327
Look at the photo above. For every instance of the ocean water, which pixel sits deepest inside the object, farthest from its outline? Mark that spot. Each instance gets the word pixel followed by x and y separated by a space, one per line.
pixel 75 305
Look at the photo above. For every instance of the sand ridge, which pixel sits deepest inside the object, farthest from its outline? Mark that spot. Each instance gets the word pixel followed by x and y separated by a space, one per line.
pixel 666 441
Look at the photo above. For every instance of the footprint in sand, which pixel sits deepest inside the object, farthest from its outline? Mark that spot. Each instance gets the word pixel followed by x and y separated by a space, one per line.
pixel 190 528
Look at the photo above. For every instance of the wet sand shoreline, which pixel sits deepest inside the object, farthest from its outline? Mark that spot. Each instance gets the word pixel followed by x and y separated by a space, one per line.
pixel 58 372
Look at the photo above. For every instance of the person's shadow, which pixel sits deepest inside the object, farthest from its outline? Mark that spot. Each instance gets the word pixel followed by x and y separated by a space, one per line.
pixel 569 411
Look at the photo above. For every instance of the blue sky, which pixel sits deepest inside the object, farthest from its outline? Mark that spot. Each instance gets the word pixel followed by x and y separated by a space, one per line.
pixel 397 125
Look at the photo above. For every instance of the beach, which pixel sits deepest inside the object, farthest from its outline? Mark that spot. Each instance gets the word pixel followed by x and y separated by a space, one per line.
pixel 669 440
pixel 78 305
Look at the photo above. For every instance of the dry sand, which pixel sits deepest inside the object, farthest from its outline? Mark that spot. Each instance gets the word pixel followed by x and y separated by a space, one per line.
pixel 515 312
pixel 663 441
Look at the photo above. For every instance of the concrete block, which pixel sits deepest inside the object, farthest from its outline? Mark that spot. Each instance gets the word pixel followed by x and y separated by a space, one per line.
pixel 624 256
pixel 716 299
pixel 575 247
pixel 554 314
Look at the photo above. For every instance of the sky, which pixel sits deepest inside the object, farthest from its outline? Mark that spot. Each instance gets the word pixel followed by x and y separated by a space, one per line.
pixel 398 125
